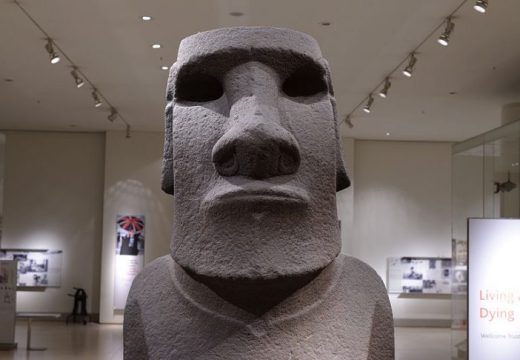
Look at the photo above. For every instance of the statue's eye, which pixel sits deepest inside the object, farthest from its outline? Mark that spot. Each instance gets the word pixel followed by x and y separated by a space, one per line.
pixel 198 87
pixel 305 81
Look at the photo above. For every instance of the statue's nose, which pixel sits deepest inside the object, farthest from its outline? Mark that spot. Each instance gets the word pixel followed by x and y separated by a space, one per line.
pixel 256 146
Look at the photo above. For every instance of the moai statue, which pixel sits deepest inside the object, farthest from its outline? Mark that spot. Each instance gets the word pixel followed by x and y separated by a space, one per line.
pixel 252 158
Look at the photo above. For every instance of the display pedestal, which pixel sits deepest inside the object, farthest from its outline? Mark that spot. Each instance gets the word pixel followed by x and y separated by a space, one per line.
pixel 7 303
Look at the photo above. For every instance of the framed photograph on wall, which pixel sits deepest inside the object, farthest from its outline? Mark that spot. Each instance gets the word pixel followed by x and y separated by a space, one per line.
pixel 419 275
pixel 35 268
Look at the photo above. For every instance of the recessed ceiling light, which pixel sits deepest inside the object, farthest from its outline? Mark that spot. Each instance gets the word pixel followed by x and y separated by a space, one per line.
pixel 387 134
pixel 325 23
pixel 164 68
pixel 236 13
pixel 146 18
pixel 156 46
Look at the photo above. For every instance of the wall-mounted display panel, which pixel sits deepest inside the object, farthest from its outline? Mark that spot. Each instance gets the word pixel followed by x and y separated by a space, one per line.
pixel 36 268
pixel 419 275
pixel 494 289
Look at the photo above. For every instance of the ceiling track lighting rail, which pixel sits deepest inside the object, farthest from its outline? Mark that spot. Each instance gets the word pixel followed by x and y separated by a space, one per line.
pixel 54 51
pixel 411 60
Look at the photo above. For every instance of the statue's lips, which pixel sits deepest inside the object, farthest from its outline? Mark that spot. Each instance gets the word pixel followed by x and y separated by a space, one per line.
pixel 260 195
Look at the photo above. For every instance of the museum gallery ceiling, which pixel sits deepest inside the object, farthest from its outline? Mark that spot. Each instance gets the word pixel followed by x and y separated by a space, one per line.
pixel 455 92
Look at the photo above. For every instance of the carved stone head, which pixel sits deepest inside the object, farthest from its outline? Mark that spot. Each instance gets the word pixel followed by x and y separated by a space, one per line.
pixel 252 154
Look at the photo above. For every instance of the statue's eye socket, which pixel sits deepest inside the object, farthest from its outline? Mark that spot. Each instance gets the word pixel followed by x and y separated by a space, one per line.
pixel 198 88
pixel 305 81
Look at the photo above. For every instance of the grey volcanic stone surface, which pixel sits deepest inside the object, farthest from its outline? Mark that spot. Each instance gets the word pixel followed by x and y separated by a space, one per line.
pixel 252 158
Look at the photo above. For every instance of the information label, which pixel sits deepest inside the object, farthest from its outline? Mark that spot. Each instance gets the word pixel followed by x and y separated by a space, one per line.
pixel 494 289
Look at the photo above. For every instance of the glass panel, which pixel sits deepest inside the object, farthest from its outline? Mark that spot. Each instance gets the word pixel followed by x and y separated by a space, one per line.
pixel 2 165
pixel 485 178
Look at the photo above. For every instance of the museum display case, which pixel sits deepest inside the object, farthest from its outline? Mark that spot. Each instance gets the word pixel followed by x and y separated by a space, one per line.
pixel 485 181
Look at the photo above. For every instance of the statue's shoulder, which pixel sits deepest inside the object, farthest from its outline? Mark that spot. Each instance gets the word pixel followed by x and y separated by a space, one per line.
pixel 154 274
pixel 356 273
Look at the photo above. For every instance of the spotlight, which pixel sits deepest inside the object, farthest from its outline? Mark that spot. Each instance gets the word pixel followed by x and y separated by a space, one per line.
pixel 79 81
pixel 369 104
pixel 128 135
pixel 481 6
pixel 384 91
pixel 444 39
pixel 97 101
pixel 52 54
pixel 348 121
pixel 408 70
pixel 113 114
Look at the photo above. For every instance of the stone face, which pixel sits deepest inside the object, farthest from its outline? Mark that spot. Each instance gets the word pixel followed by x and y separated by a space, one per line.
pixel 252 157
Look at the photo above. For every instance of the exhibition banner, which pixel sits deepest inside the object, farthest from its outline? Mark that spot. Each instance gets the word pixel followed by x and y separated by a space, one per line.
pixel 129 253
pixel 494 289
pixel 7 301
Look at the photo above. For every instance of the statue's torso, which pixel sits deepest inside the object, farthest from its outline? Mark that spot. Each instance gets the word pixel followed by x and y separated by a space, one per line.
pixel 342 314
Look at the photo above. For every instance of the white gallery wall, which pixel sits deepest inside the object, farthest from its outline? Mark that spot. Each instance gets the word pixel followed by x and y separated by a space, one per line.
pixel 132 187
pixel 53 199
pixel 64 191
pixel 402 207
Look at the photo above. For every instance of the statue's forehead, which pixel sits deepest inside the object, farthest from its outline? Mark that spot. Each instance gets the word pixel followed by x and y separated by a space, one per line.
pixel 240 40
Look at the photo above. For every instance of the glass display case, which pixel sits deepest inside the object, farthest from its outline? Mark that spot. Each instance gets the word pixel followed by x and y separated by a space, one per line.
pixel 485 178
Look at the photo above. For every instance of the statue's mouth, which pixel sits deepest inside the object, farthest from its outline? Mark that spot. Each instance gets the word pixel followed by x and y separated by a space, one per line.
pixel 256 194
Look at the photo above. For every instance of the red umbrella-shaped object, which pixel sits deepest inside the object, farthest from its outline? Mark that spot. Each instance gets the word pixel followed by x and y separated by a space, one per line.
pixel 131 223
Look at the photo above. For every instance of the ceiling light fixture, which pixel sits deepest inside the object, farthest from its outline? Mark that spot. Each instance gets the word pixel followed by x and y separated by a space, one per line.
pixel 146 18
pixel 52 54
pixel 481 6
pixel 156 46
pixel 113 114
pixel 128 134
pixel 408 70
pixel 77 79
pixel 384 91
pixel 164 68
pixel 348 121
pixel 410 59
pixel 97 101
pixel 369 104
pixel 444 39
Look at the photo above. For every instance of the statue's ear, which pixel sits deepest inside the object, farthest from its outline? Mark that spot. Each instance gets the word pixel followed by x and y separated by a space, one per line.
pixel 342 180
pixel 167 163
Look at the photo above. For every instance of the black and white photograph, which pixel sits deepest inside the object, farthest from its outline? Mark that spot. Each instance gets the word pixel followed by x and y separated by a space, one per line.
pixel 36 268
pixel 419 275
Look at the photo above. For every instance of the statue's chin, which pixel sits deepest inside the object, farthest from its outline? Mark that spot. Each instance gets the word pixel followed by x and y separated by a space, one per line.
pixel 261 270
